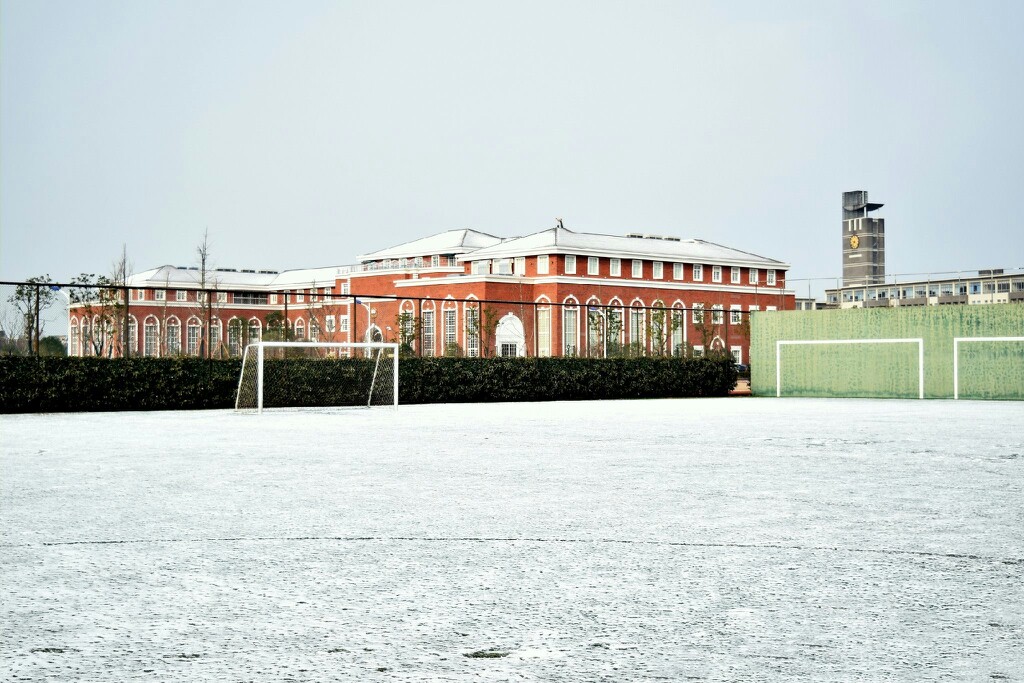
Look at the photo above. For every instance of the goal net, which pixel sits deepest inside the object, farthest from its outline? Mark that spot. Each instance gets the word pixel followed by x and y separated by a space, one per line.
pixel 317 375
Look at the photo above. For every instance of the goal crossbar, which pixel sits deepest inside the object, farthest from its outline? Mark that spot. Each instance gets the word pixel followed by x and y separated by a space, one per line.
pixel 260 347
pixel 794 342
pixel 956 356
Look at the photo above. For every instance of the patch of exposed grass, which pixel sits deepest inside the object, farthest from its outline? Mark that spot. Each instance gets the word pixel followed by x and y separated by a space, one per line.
pixel 485 654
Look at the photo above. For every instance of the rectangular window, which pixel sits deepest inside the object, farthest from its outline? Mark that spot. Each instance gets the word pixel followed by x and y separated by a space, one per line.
pixel 222 297
pixel 272 299
pixel 140 294
pixel 737 354
pixel 343 323
pixel 251 299
pixel 592 265
pixel 181 295
pixel 717 314
pixel 735 275
pixel 428 333
pixel 160 295
pixel 615 267
pixel 735 315
pixel 570 265
pixel 771 277
pixel 542 265
pixel 481 267
pixel 544 332
pixel 659 270
pixel 698 272
pixel 299 297
pixel 716 273
pixel 569 332
pixel 753 276
pixel 501 266
pixel 435 261
pixel 677 271
pixel 450 338
pixel 520 267
pixel 345 288
pixel 314 330
pixel 698 314
pixel 235 337
pixel 418 262
pixel 698 351
pixel 638 268
pixel 329 324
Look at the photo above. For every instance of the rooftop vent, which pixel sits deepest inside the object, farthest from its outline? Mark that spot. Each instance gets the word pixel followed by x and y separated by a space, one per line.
pixel 635 235
pixel 994 271
pixel 248 270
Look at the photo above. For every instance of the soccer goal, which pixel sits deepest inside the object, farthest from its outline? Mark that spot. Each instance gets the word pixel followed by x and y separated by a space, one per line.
pixel 317 375
pixel 957 341
pixel 845 342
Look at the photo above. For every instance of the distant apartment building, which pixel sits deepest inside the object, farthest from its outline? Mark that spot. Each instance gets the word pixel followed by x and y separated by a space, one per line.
pixel 556 292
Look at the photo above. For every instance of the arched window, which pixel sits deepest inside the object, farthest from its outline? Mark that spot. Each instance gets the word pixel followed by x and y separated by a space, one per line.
pixel 133 336
pixel 255 330
pixel 74 340
pixel 151 337
pixel 427 328
pixel 194 332
pixel 543 309
pixel 172 332
pixel 570 327
pixel 637 323
pixel 300 330
pixel 471 314
pixel 235 333
pixel 215 339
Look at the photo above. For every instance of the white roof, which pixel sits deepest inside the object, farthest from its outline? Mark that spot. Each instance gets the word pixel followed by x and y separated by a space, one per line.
pixel 565 241
pixel 449 242
pixel 188 277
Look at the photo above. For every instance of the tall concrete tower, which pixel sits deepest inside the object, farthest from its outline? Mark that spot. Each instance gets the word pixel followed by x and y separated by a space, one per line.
pixel 863 241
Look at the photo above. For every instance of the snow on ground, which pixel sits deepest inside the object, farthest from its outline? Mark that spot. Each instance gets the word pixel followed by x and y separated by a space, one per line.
pixel 718 539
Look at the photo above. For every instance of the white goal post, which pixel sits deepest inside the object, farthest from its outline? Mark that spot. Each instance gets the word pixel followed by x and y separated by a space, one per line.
pixel 320 374
pixel 920 355
pixel 956 356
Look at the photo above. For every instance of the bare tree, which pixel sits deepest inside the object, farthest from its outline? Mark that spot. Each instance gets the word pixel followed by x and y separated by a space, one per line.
pixel 30 300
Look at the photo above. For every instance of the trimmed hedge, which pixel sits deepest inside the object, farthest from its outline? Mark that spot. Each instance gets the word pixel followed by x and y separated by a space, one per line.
pixel 88 384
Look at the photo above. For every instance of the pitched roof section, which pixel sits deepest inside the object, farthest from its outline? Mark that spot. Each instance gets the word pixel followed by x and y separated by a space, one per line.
pixel 565 241
pixel 450 242
pixel 226 278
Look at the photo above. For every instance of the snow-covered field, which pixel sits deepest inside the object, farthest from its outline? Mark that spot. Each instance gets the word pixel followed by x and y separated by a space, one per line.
pixel 719 539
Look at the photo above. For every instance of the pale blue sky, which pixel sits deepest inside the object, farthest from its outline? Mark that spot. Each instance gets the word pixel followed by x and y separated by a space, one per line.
pixel 302 134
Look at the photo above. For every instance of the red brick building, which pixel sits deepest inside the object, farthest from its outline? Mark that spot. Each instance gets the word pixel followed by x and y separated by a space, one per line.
pixel 551 293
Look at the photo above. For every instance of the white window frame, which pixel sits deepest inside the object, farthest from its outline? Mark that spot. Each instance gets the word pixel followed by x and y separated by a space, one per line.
pixel 735 276
pixel 343 323
pixel 593 265
pixel 519 267
pixel 329 324
pixel 615 267
pixel 435 261
pixel 770 277
pixel 570 264
pixel 698 272
pixel 735 314
pixel 717 314
pixel 678 271
pixel 542 265
pixel 181 295
pixel 755 274
pixel 272 299
pixel 716 273
pixel 159 295
pixel 637 270
pixel 658 269
pixel 697 313
pixel 345 287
